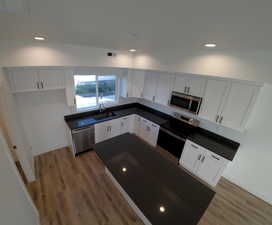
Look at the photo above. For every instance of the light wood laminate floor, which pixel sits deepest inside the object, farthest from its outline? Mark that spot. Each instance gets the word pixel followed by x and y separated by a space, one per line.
pixel 76 191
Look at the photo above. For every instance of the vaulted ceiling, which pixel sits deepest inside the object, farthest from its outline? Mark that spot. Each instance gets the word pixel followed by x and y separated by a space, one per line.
pixel 141 24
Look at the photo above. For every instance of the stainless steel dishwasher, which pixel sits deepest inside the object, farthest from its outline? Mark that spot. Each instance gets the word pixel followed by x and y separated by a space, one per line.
pixel 83 139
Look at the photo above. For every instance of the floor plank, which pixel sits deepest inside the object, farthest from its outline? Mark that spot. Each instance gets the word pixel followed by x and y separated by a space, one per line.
pixel 76 191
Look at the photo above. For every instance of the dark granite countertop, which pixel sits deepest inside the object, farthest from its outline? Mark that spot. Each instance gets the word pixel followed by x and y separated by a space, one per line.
pixel 211 141
pixel 86 119
pixel 152 181
pixel 215 143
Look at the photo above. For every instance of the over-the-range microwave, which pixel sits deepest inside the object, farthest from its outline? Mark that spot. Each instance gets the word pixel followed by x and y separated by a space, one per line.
pixel 185 102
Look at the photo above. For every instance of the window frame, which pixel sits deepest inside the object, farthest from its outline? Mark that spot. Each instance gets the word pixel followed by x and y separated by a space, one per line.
pixel 97 74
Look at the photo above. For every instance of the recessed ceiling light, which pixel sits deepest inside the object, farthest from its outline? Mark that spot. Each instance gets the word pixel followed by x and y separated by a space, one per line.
pixel 132 50
pixel 39 38
pixel 210 45
pixel 162 209
pixel 124 169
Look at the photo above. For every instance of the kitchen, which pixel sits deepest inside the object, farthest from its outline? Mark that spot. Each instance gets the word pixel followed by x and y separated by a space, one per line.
pixel 133 134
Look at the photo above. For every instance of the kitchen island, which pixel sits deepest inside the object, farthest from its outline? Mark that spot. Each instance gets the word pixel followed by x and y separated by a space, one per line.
pixel 162 192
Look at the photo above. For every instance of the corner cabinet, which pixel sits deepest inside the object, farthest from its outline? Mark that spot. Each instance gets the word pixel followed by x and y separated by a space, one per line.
pixel 228 103
pixel 203 163
pixel 27 80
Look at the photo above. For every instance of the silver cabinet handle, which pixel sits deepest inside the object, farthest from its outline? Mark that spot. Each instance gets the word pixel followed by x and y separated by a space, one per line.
pixel 203 158
pixel 122 124
pixel 38 85
pixel 194 146
pixel 216 118
pixel 42 84
pixel 199 157
pixel 153 98
pixel 215 157
pixel 185 89
pixel 221 119
pixel 188 90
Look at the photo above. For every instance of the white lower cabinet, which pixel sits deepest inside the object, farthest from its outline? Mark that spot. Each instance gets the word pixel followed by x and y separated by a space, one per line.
pixel 136 125
pixel 141 127
pixel 126 124
pixel 106 130
pixel 149 131
pixel 203 163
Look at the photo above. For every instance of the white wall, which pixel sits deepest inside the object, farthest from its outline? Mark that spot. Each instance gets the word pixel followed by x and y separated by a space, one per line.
pixel 16 205
pixel 33 53
pixel 42 114
pixel 16 131
pixel 252 166
pixel 245 65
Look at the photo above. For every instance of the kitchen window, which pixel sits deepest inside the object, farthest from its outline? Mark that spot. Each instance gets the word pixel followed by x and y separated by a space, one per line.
pixel 91 90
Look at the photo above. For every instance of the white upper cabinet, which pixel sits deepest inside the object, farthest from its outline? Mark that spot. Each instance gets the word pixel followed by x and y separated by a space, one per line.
pixel 191 85
pixel 150 86
pixel 164 87
pixel 52 78
pixel 181 83
pixel 23 80
pixel 213 99
pixel 238 105
pixel 135 83
pixel 196 86
pixel 228 103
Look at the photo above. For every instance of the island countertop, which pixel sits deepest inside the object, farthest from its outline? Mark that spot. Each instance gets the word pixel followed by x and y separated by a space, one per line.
pixel 152 181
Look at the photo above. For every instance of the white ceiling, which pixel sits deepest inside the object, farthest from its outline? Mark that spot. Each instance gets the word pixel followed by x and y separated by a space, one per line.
pixel 142 24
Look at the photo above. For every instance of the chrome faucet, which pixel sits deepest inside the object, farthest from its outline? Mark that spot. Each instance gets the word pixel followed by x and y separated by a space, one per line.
pixel 101 107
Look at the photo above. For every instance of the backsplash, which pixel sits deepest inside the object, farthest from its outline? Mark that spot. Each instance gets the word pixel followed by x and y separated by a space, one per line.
pixel 215 128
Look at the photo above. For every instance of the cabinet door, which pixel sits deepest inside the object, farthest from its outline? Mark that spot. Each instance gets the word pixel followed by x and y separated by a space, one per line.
pixel 150 86
pixel 138 83
pixel 137 125
pixel 213 99
pixel 100 132
pixel 238 104
pixel 164 86
pixel 23 80
pixel 125 125
pixel 181 82
pixel 196 86
pixel 144 129
pixel 211 167
pixel 191 156
pixel 154 133
pixel 52 78
pixel 114 128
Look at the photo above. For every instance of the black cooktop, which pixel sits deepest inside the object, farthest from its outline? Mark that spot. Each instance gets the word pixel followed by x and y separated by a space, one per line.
pixel 179 128
pixel 152 181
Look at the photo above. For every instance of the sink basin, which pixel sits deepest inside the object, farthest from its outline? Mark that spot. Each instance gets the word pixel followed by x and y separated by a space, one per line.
pixel 105 115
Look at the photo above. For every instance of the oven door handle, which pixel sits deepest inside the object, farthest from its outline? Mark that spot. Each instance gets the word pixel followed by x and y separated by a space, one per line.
pixel 172 134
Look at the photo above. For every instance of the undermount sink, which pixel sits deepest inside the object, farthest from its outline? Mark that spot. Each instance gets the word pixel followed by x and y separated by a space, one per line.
pixel 105 115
